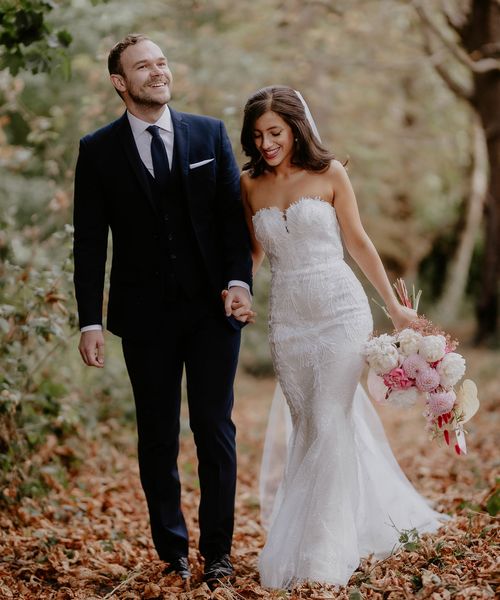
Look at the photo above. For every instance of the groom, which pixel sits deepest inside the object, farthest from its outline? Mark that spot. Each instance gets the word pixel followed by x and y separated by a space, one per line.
pixel 167 185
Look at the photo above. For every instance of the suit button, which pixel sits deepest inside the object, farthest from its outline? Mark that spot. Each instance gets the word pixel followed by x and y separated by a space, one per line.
pixel 170 237
pixel 156 236
pixel 173 256
pixel 157 273
pixel 165 218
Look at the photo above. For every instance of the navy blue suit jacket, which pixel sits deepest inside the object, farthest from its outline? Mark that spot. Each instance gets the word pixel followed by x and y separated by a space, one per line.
pixel 112 193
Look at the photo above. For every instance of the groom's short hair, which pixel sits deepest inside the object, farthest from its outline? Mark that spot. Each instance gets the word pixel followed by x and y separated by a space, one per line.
pixel 114 58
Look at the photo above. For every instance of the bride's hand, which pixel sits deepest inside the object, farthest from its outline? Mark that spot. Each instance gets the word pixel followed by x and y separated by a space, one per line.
pixel 402 316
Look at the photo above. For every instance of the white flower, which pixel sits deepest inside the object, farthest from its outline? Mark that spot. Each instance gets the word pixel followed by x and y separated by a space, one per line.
pixel 467 400
pixel 381 354
pixel 409 341
pixel 404 398
pixel 432 347
pixel 451 369
pixel 379 342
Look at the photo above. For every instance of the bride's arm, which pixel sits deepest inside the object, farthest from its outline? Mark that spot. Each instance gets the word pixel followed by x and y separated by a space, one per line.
pixel 360 246
pixel 257 250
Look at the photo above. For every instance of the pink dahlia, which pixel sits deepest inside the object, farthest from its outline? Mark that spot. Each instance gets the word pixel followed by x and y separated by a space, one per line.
pixel 413 364
pixel 427 380
pixel 397 379
pixel 441 403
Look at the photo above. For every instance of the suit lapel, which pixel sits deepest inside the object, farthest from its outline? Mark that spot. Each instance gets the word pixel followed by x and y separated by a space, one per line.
pixel 128 143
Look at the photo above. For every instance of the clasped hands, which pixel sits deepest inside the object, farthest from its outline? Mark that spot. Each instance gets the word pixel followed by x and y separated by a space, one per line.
pixel 238 303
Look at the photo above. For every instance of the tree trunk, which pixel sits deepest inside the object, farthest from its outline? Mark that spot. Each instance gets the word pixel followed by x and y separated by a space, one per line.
pixel 478 26
pixel 456 279
pixel 481 38
pixel 487 302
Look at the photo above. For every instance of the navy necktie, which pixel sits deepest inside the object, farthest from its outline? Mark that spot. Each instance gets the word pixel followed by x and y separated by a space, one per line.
pixel 159 156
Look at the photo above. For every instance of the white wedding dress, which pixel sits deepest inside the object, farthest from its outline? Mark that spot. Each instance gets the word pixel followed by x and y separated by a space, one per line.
pixel 343 494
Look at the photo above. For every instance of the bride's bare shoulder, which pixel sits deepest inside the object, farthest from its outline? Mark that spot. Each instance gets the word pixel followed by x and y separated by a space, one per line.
pixel 247 182
pixel 337 170
pixel 339 179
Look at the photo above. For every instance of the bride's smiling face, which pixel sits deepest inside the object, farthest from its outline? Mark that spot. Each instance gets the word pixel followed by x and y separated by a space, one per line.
pixel 273 138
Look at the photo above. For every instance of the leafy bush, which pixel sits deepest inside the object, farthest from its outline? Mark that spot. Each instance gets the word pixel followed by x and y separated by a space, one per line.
pixel 35 326
pixel 28 41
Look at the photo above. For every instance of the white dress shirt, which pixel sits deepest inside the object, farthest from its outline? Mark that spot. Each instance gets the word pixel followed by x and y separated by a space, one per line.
pixel 142 140
pixel 142 137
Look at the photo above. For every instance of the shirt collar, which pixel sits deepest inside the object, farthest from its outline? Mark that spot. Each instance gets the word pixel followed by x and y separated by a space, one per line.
pixel 139 126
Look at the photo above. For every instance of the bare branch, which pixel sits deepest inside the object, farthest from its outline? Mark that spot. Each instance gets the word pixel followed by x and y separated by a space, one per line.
pixel 483 65
pixel 457 274
pixel 454 18
pixel 490 49
pixel 456 87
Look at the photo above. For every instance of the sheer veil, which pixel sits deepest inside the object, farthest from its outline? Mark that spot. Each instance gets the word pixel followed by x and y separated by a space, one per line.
pixel 309 116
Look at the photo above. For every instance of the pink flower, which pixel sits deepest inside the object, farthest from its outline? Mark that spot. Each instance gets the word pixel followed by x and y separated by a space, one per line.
pixel 440 403
pixel 397 379
pixel 427 380
pixel 413 364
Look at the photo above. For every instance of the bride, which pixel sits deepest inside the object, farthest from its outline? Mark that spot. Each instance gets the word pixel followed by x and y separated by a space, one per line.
pixel 343 495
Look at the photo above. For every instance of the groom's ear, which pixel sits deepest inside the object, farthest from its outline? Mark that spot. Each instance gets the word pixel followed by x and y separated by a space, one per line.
pixel 118 83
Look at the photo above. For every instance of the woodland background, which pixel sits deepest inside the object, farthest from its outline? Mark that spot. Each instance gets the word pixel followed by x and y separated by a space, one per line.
pixel 409 93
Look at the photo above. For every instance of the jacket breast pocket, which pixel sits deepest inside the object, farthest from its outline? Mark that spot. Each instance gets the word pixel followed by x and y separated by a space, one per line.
pixel 202 171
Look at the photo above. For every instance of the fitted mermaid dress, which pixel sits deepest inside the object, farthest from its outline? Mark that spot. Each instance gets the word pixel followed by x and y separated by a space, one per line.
pixel 343 495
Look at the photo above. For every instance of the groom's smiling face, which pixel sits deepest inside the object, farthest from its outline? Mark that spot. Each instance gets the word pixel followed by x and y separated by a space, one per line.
pixel 146 77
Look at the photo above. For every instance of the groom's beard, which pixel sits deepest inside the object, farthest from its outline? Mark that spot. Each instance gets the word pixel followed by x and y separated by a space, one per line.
pixel 141 97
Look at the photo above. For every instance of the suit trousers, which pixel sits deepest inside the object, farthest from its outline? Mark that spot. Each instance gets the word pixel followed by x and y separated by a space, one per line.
pixel 199 340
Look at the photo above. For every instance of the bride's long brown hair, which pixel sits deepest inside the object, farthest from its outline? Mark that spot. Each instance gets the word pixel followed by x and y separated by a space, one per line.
pixel 308 152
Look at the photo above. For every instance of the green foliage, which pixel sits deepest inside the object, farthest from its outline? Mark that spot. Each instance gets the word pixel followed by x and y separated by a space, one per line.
pixel 35 328
pixel 28 40
pixel 409 539
pixel 417 582
pixel 493 502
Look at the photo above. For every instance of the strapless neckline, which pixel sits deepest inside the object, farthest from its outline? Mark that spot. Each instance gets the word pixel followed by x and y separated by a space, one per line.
pixel 285 211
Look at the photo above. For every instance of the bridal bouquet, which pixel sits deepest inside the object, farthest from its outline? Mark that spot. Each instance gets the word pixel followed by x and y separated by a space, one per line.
pixel 419 363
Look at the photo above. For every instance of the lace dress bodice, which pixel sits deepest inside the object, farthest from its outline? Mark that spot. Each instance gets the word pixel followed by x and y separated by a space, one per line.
pixel 305 236
pixel 313 290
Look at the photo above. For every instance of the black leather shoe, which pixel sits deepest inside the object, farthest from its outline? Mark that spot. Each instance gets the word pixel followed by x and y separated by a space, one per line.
pixel 217 569
pixel 180 566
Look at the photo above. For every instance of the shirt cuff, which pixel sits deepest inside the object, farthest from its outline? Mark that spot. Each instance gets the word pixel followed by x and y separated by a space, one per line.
pixel 91 328
pixel 237 282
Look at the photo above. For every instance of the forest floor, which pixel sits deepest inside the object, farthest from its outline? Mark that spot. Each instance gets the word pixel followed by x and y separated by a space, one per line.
pixel 88 538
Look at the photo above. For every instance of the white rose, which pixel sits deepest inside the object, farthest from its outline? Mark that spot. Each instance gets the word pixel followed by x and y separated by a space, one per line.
pixel 381 354
pixel 404 398
pixel 451 369
pixel 377 344
pixel 409 341
pixel 432 347
pixel 383 363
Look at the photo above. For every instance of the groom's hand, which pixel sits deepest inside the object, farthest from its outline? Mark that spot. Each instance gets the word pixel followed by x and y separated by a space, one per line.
pixel 91 348
pixel 238 303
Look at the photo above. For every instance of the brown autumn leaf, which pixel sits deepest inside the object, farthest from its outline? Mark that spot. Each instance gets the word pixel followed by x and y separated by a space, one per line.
pixel 91 534
pixel 151 591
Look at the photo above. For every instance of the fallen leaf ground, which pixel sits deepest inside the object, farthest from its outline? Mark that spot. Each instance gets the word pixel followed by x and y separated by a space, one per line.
pixel 89 537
